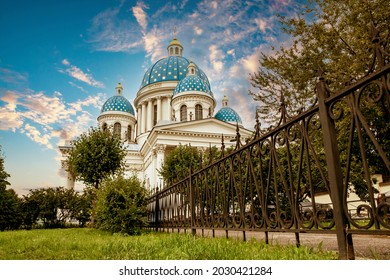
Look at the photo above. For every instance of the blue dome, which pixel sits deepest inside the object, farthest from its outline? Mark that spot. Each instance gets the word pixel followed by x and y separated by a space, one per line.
pixel 192 83
pixel 172 68
pixel 118 103
pixel 227 114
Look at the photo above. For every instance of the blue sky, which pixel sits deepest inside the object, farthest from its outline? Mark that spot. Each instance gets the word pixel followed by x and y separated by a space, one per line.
pixel 60 60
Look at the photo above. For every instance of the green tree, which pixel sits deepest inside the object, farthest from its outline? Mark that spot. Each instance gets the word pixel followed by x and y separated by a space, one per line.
pixel 121 205
pixel 177 163
pixel 9 201
pixel 82 205
pixel 3 174
pixel 96 155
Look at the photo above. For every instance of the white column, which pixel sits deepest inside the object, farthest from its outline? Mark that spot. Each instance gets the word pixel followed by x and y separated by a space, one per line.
pixel 70 182
pixel 139 120
pixel 149 116
pixel 143 124
pixel 160 152
pixel 159 109
pixel 169 108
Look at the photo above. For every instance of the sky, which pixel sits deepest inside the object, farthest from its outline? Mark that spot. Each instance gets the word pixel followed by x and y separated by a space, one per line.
pixel 60 60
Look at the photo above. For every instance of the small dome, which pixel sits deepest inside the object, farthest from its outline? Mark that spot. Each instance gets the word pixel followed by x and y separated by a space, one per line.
pixel 118 103
pixel 172 68
pixel 227 114
pixel 192 83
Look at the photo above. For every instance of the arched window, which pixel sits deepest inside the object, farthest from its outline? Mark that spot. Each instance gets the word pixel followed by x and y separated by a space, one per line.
pixel 198 112
pixel 129 133
pixel 104 127
pixel 117 129
pixel 183 113
pixel 176 50
pixel 171 51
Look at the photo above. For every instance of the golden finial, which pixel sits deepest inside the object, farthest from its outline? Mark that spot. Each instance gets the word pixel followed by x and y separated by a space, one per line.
pixel 119 88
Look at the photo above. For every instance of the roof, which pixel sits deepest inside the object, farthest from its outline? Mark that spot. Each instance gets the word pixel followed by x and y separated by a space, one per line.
pixel 171 68
pixel 192 83
pixel 227 114
pixel 118 103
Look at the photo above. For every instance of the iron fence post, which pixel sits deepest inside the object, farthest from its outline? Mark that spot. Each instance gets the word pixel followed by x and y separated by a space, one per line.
pixel 192 203
pixel 156 210
pixel 334 169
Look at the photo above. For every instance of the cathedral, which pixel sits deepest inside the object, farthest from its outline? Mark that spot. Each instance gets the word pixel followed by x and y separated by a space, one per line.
pixel 174 105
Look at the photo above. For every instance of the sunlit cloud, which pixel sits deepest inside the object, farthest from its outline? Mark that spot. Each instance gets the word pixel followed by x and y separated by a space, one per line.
pixel 35 114
pixel 262 24
pixel 78 74
pixel 152 43
pixel 10 120
pixel 34 134
pixel 198 30
pixel 140 14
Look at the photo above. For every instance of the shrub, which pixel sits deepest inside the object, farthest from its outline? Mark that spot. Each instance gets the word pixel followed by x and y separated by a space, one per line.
pixel 10 217
pixel 121 206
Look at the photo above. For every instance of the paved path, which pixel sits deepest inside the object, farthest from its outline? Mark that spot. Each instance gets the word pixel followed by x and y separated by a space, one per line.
pixel 366 246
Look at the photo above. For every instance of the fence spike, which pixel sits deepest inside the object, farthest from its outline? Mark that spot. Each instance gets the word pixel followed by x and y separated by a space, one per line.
pixel 222 147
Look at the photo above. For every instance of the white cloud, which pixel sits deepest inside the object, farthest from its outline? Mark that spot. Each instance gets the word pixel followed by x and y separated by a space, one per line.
pixel 34 134
pixel 111 33
pixel 216 56
pixel 9 119
pixel 152 44
pixel 65 62
pixel 78 74
pixel 198 30
pixel 140 14
pixel 79 87
pixel 36 115
pixel 11 98
pixel 214 5
pixel 262 24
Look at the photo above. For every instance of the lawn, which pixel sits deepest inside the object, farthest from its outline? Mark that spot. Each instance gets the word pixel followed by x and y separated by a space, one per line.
pixel 93 244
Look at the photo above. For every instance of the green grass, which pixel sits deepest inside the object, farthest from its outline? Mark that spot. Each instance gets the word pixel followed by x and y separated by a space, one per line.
pixel 92 244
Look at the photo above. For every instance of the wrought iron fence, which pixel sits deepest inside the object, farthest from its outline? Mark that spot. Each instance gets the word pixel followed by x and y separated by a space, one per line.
pixel 270 183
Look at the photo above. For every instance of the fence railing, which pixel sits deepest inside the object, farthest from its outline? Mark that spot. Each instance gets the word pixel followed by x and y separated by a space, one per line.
pixel 269 184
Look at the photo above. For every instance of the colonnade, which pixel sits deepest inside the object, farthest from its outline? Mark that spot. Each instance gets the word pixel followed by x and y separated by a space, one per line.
pixel 148 115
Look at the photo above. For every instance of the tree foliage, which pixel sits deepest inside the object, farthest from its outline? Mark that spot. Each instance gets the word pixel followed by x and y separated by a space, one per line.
pixel 333 35
pixel 178 162
pixel 9 201
pixel 96 155
pixel 55 207
pixel 10 217
pixel 3 174
pixel 121 205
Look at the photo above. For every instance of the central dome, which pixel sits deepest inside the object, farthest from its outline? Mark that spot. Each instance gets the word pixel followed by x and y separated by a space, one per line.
pixel 172 68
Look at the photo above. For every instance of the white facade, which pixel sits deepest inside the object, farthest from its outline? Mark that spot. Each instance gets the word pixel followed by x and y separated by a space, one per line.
pixel 175 105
